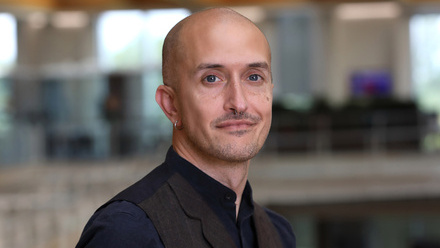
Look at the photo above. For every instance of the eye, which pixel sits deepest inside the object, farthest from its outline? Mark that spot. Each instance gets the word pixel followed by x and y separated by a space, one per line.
pixel 254 77
pixel 211 79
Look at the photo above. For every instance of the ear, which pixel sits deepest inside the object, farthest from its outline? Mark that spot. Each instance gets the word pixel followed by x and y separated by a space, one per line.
pixel 165 97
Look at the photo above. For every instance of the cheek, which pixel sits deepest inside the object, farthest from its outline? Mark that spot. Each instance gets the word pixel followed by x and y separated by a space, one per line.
pixel 262 104
pixel 266 99
pixel 199 111
pixel 262 99
pixel 265 93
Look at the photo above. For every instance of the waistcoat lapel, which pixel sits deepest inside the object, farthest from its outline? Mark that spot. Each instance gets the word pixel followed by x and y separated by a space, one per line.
pixel 183 219
pixel 267 234
pixel 195 207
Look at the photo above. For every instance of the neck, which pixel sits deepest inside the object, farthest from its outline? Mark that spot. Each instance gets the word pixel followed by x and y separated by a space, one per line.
pixel 231 174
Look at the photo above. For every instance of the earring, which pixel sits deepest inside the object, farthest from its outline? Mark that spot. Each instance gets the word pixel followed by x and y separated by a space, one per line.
pixel 176 127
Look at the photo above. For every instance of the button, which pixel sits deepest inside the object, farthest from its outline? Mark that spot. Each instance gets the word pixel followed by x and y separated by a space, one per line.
pixel 229 197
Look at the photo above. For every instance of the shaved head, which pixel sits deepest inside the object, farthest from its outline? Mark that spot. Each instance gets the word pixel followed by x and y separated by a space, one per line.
pixel 174 49
pixel 216 64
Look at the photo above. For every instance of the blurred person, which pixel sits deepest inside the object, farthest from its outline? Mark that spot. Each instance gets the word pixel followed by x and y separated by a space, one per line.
pixel 217 92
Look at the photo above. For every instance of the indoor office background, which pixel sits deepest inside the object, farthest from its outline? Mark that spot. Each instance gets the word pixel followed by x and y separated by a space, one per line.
pixel 352 159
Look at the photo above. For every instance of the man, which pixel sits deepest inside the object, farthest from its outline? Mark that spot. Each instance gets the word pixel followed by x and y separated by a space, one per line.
pixel 217 92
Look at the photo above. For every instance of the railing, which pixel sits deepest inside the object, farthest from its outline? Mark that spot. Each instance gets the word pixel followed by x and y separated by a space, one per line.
pixel 45 206
pixel 377 131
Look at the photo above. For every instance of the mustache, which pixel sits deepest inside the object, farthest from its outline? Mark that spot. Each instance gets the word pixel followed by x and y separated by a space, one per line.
pixel 232 116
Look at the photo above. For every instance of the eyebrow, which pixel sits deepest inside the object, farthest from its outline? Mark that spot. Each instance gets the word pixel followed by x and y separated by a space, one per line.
pixel 262 65
pixel 209 66
pixel 204 66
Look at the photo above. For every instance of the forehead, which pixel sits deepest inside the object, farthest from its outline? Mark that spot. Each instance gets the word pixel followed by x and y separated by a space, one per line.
pixel 223 41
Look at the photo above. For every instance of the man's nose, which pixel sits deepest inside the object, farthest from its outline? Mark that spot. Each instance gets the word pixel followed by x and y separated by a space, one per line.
pixel 235 96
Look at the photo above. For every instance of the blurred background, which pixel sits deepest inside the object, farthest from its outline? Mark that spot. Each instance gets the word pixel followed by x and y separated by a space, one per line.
pixel 352 159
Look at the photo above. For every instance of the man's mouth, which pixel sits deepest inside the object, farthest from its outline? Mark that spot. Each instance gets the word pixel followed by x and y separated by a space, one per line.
pixel 234 123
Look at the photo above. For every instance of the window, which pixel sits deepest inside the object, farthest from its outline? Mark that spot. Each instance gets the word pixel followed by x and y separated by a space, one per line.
pixel 8 43
pixel 425 49
pixel 130 40
pixel 119 39
pixel 8 53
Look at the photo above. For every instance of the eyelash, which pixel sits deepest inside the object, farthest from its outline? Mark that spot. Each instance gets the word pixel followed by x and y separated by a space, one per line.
pixel 259 78
pixel 205 79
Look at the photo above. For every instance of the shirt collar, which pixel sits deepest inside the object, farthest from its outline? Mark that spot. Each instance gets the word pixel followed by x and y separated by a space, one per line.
pixel 219 197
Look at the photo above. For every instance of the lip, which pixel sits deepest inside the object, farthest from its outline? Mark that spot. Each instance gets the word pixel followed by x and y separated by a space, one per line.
pixel 236 124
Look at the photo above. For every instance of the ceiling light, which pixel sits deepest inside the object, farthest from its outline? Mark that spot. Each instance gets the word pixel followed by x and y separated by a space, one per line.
pixel 70 19
pixel 361 11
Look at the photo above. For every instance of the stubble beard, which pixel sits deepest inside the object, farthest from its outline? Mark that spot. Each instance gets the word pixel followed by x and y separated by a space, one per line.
pixel 231 152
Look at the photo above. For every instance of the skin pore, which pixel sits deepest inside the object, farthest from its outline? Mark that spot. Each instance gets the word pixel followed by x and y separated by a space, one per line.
pixel 218 87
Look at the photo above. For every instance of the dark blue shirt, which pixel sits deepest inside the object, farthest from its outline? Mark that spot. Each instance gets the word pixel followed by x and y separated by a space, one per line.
pixel 124 224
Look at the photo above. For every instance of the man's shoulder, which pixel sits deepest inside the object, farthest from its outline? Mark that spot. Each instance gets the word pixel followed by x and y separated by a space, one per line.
pixel 119 210
pixel 120 224
pixel 145 187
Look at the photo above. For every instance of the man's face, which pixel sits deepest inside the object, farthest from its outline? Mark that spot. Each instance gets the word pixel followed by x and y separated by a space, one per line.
pixel 225 70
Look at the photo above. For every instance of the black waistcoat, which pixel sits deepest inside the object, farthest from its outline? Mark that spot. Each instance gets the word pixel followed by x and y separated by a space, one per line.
pixel 184 220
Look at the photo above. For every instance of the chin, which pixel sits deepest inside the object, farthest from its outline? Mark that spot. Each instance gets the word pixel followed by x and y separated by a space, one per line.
pixel 233 153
